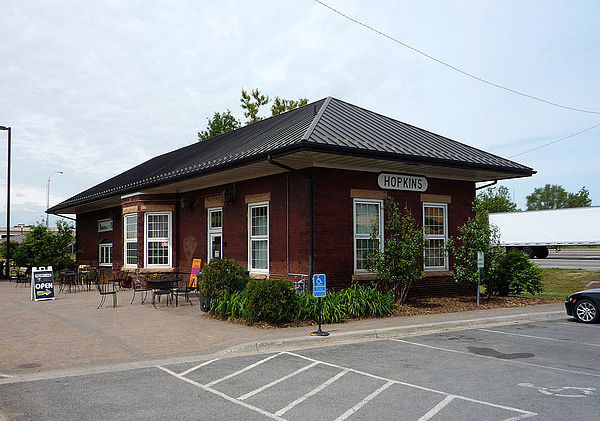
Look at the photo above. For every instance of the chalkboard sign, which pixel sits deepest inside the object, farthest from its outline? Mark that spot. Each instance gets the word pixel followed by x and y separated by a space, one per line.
pixel 42 284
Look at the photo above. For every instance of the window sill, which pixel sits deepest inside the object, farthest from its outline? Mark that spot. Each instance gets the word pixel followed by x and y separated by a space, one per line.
pixel 363 277
pixel 259 275
pixel 437 272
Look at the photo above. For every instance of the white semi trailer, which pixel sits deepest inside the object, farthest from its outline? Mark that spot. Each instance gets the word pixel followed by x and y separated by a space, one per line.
pixel 533 232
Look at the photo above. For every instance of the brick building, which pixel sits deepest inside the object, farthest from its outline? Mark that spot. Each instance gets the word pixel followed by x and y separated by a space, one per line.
pixel 289 195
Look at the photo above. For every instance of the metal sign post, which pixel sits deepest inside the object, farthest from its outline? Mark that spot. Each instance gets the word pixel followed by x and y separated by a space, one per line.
pixel 480 262
pixel 319 291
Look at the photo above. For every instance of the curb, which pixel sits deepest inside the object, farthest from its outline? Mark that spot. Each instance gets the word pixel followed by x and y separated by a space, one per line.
pixel 386 333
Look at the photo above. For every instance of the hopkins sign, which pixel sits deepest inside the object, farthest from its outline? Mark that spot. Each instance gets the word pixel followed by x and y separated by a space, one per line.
pixel 402 182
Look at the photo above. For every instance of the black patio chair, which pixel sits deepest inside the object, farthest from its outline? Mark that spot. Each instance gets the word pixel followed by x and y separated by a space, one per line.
pixel 137 286
pixel 106 288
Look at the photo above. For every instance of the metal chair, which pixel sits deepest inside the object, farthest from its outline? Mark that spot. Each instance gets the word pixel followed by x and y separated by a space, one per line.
pixel 106 288
pixel 136 285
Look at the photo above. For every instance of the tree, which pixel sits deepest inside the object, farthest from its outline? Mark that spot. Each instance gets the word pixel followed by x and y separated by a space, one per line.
pixel 252 103
pixel 44 248
pixel 400 264
pixel 556 197
pixel 219 124
pixel 282 105
pixel 476 235
pixel 494 200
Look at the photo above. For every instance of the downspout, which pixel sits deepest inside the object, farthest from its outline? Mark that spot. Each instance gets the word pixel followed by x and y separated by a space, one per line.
pixel 310 216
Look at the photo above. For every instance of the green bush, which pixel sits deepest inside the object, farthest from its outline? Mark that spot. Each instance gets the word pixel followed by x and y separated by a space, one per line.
pixel 271 300
pixel 221 278
pixel 516 274
pixel 233 305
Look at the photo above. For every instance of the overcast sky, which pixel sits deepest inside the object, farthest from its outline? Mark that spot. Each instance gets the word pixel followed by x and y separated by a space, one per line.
pixel 95 88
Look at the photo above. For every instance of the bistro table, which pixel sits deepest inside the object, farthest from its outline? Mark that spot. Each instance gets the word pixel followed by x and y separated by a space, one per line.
pixel 162 286
pixel 69 280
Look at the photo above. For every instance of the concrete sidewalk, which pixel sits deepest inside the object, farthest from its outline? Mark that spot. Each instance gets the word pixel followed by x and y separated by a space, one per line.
pixel 70 333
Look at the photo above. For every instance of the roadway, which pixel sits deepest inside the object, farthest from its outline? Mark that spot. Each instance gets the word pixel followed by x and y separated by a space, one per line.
pixel 584 258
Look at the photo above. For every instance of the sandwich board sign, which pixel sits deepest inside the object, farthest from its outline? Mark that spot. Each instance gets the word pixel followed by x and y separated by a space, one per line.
pixel 42 284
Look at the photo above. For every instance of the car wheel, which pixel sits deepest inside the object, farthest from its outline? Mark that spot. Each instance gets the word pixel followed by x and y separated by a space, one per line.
pixel 586 311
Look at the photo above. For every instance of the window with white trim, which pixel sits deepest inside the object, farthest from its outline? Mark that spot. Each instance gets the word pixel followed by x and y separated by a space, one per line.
pixel 367 215
pixel 130 246
pixel 105 225
pixel 258 237
pixel 105 254
pixel 157 234
pixel 435 228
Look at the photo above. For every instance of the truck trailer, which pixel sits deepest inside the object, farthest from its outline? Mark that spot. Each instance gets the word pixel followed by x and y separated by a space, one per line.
pixel 534 232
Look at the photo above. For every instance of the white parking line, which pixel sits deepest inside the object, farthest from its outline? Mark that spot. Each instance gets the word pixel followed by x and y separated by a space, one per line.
pixel 496 359
pixel 524 413
pixel 221 394
pixel 538 337
pixel 363 402
pixel 311 393
pixel 433 411
pixel 188 371
pixel 251 366
pixel 273 383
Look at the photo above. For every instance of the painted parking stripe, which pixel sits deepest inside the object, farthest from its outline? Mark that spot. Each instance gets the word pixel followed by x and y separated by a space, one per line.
pixel 221 394
pixel 251 366
pixel 433 411
pixel 538 337
pixel 188 371
pixel 363 402
pixel 437 348
pixel 311 393
pixel 274 382
pixel 524 413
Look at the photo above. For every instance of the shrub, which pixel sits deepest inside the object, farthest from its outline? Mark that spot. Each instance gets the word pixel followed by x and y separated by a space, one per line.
pixel 221 278
pixel 233 305
pixel 401 261
pixel 516 274
pixel 271 300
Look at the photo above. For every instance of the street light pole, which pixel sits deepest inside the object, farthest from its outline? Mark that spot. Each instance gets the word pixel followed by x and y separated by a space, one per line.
pixel 7 206
pixel 48 196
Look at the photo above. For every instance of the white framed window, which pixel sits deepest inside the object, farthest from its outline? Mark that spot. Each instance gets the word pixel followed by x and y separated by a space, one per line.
pixel 105 257
pixel 105 225
pixel 215 233
pixel 367 214
pixel 258 237
pixel 130 241
pixel 435 229
pixel 158 241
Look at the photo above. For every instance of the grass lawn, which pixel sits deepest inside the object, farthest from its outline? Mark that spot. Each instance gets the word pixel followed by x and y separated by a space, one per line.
pixel 559 283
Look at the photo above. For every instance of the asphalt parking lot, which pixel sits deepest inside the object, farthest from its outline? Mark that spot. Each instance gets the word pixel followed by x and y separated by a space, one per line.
pixel 540 370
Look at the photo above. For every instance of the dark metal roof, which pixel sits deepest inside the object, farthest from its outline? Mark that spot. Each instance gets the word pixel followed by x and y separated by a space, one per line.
pixel 328 124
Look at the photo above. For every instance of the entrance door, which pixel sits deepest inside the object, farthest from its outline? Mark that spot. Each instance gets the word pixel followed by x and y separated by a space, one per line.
pixel 215 234
pixel 215 246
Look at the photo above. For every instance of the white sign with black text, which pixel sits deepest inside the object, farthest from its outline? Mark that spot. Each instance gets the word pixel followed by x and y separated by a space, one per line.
pixel 402 182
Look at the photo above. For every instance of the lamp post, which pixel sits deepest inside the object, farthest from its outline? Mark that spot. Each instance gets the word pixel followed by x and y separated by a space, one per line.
pixel 48 195
pixel 7 207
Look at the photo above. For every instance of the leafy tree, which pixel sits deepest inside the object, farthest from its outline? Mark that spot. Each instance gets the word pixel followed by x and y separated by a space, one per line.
pixel 475 235
pixel 401 261
pixel 556 197
pixel 252 103
pixel 219 124
pixel 44 248
pixel 282 105
pixel 493 200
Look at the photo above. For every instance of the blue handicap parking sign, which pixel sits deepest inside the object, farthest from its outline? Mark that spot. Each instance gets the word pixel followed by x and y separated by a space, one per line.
pixel 319 285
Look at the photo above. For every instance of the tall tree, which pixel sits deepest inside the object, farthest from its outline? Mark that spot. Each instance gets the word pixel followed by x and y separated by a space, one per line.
pixel 281 105
pixel 493 200
pixel 556 197
pixel 252 103
pixel 219 124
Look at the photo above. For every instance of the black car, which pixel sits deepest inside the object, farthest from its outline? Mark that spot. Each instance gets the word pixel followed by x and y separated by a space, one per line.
pixel 584 305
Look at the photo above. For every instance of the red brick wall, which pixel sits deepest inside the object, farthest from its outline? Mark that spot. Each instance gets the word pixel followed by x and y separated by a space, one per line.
pixel 333 230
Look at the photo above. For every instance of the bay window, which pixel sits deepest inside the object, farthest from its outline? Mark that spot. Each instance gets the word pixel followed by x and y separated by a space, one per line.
pixel 158 239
